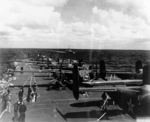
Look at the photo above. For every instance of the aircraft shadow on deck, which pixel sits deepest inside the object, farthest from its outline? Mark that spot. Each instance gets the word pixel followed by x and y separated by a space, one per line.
pixel 90 114
pixel 112 110
pixel 87 104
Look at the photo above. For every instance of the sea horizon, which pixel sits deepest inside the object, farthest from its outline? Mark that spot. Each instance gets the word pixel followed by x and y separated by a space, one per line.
pixel 70 48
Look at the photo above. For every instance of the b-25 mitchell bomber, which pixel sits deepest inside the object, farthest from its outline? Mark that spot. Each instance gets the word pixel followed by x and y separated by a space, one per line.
pixel 133 99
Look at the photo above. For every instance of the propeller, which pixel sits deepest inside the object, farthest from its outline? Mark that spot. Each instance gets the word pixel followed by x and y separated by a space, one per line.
pixel 102 69
pixel 76 82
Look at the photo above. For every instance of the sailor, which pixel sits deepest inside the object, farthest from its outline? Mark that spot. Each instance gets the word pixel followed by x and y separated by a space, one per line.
pixel 35 87
pixel 16 114
pixel 104 98
pixel 3 104
pixel 60 82
pixel 34 92
pixel 22 110
pixel 29 94
pixel 34 96
pixel 6 102
pixel 20 94
pixel 8 109
pixel 56 84
pixel 21 69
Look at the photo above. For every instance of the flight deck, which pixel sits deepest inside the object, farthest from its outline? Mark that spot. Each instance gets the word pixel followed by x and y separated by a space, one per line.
pixel 60 105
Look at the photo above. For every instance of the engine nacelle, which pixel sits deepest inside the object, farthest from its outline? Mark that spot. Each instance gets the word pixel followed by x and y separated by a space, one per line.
pixel 145 104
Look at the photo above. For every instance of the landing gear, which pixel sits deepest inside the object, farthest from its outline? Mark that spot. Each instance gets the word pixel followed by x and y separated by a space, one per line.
pixel 103 107
pixel 105 99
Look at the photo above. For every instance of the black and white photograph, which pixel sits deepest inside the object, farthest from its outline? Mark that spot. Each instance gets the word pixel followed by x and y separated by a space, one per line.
pixel 74 60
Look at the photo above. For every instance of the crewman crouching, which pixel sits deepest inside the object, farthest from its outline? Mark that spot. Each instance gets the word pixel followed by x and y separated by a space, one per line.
pixel 21 69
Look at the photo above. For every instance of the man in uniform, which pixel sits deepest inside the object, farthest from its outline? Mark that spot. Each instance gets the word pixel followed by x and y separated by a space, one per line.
pixel 22 110
pixel 16 114
pixel 20 94
pixel 29 94
pixel 19 112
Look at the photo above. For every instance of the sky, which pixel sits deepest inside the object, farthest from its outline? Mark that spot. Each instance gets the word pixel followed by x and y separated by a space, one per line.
pixel 78 24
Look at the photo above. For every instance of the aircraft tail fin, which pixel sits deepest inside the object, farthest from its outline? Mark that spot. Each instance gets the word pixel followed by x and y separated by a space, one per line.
pixel 102 69
pixel 138 66
pixel 146 75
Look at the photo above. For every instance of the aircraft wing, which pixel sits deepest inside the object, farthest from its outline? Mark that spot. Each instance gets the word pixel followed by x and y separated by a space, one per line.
pixel 104 86
pixel 120 72
pixel 122 89
pixel 114 82
pixel 38 71
pixel 98 89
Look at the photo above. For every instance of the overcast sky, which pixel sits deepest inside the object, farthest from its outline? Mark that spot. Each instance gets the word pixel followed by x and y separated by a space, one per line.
pixel 90 24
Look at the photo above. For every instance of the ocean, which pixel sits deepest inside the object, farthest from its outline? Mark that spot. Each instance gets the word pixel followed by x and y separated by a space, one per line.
pixel 115 59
